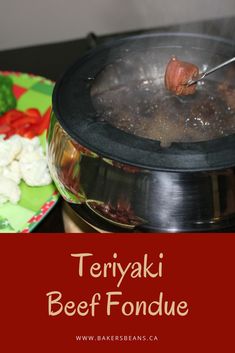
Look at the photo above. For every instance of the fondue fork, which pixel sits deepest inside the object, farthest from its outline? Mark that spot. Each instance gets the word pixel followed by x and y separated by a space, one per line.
pixel 206 73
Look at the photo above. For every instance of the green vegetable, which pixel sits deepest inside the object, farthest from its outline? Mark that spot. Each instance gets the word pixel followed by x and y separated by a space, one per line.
pixel 7 98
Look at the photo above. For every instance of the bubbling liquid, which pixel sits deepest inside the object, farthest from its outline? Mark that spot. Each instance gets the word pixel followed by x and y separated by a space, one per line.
pixel 149 111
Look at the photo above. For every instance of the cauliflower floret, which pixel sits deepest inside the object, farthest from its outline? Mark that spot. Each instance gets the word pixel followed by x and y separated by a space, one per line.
pixel 21 158
pixel 36 173
pixel 34 142
pixel 30 154
pixel 29 145
pixel 9 150
pixel 9 190
pixel 33 167
pixel 12 171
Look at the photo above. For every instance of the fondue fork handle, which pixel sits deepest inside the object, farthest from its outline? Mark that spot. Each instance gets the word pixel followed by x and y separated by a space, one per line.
pixel 204 74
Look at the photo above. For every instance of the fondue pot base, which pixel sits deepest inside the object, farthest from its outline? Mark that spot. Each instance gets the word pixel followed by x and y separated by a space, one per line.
pixel 103 226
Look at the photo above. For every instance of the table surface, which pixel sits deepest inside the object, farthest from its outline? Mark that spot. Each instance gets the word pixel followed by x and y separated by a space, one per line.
pixel 51 60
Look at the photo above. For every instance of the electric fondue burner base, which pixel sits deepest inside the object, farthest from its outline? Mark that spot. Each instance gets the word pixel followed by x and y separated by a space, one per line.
pixel 96 222
pixel 102 225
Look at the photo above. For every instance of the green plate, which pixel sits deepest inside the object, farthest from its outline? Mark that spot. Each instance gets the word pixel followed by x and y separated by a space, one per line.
pixel 36 202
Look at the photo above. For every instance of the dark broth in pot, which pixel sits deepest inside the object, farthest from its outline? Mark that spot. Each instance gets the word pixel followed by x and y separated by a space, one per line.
pixel 149 111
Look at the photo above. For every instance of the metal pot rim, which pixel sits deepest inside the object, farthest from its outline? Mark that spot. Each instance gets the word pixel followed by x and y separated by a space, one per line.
pixel 75 113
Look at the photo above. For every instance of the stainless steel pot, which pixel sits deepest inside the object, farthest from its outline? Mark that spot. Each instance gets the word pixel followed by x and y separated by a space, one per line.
pixel 123 178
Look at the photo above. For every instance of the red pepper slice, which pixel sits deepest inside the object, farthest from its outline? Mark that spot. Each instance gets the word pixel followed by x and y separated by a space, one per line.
pixel 26 131
pixel 24 120
pixel 4 129
pixel 44 123
pixel 10 116
pixel 34 113
pixel 28 124
pixel 29 134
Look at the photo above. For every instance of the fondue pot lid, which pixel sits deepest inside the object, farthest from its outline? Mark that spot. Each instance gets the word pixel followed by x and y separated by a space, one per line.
pixel 77 113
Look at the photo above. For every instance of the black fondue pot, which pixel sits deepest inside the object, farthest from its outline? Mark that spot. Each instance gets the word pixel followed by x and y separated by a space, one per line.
pixel 125 151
